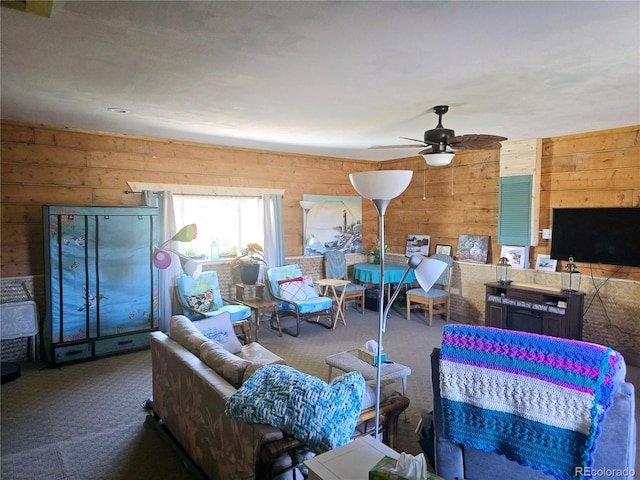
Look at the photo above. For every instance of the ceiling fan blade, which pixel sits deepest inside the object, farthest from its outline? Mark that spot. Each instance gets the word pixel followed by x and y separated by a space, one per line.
pixel 413 139
pixel 425 151
pixel 476 142
pixel 475 146
pixel 374 147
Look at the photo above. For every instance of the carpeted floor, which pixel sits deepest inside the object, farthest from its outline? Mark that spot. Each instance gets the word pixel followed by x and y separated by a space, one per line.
pixel 87 421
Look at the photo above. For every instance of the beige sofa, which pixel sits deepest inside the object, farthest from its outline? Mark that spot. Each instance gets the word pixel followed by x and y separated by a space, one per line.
pixel 189 398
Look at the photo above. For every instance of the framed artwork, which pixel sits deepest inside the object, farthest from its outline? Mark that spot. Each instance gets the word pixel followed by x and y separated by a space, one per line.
pixel 516 255
pixel 544 263
pixel 473 248
pixel 443 249
pixel 332 223
pixel 417 245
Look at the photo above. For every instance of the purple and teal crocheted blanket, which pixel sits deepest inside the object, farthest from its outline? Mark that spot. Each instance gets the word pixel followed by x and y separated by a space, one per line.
pixel 537 400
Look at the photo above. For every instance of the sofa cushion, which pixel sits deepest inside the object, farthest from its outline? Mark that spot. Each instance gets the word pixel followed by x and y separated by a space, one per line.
pixel 256 353
pixel 387 389
pixel 183 331
pixel 224 363
pixel 322 415
pixel 204 302
pixel 220 329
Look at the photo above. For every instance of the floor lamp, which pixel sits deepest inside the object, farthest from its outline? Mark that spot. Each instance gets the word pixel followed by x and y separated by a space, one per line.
pixel 306 206
pixel 382 186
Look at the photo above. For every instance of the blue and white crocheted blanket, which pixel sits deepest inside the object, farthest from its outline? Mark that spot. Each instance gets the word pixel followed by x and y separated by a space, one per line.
pixel 537 400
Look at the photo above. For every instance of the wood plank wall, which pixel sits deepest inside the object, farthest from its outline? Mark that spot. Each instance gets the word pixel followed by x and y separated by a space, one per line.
pixel 597 169
pixel 49 165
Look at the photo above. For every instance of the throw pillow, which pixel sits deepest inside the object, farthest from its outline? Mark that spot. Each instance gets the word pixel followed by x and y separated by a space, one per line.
pixel 322 415
pixel 309 288
pixel 220 329
pixel 224 363
pixel 203 303
pixel 183 331
pixel 293 291
pixel 387 390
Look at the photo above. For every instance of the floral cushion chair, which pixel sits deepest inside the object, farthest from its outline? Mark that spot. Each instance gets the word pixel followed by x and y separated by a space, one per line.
pixel 296 296
pixel 201 298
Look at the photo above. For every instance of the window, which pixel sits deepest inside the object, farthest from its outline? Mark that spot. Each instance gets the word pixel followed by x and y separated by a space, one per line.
pixel 231 221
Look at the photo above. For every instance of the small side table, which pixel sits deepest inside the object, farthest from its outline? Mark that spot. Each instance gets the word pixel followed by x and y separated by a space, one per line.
pixel 20 319
pixel 350 461
pixel 259 306
pixel 332 283
pixel 241 287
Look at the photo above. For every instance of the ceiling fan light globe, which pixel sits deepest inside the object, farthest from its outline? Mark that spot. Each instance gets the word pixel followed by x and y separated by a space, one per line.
pixel 438 159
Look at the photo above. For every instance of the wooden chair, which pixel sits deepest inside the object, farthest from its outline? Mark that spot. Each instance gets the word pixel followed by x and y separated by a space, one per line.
pixel 335 266
pixel 437 300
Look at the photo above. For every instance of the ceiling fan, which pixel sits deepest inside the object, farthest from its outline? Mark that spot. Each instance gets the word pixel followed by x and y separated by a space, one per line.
pixel 442 142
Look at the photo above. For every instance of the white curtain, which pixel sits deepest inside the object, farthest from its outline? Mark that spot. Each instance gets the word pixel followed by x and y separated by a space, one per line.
pixel 166 278
pixel 273 230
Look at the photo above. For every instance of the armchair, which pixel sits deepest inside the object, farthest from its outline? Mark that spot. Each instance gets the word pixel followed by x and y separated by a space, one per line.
pixel 297 297
pixel 615 448
pixel 436 300
pixel 335 266
pixel 201 298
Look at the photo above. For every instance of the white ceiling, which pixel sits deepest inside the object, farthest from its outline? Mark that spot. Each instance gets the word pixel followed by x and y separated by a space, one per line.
pixel 320 77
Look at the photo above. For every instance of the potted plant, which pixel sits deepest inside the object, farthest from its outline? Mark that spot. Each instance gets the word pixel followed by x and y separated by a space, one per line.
pixel 248 263
pixel 375 253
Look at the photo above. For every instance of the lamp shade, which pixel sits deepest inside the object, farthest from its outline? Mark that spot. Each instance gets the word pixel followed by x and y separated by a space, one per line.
pixel 381 184
pixel 161 258
pixel 306 204
pixel 186 233
pixel 438 159
pixel 190 267
pixel 428 272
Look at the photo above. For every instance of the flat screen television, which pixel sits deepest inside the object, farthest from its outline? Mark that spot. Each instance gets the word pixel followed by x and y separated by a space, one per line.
pixel 597 235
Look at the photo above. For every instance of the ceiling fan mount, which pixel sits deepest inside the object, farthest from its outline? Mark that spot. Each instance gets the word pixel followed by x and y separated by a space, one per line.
pixel 443 142
pixel 438 137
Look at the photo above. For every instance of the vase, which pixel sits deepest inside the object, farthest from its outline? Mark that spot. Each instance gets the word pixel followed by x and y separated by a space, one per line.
pixel 249 273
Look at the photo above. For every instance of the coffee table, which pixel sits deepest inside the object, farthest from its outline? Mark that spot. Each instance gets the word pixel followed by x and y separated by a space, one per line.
pixel 347 362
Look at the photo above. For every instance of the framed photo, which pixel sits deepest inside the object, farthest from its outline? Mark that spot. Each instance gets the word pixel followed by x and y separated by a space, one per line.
pixel 417 245
pixel 333 223
pixel 443 249
pixel 473 248
pixel 544 263
pixel 516 255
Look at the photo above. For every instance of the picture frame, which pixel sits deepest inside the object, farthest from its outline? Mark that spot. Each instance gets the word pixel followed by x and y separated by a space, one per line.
pixel 544 263
pixel 443 249
pixel 333 223
pixel 417 245
pixel 473 248
pixel 515 254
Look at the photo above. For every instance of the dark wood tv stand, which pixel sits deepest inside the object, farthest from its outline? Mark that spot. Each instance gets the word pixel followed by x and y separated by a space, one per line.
pixel 535 309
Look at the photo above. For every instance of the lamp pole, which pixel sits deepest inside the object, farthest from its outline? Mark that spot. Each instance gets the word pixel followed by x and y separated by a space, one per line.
pixel 306 206
pixel 381 206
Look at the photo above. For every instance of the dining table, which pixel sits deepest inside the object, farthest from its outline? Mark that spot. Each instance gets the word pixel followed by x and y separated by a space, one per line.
pixel 370 273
